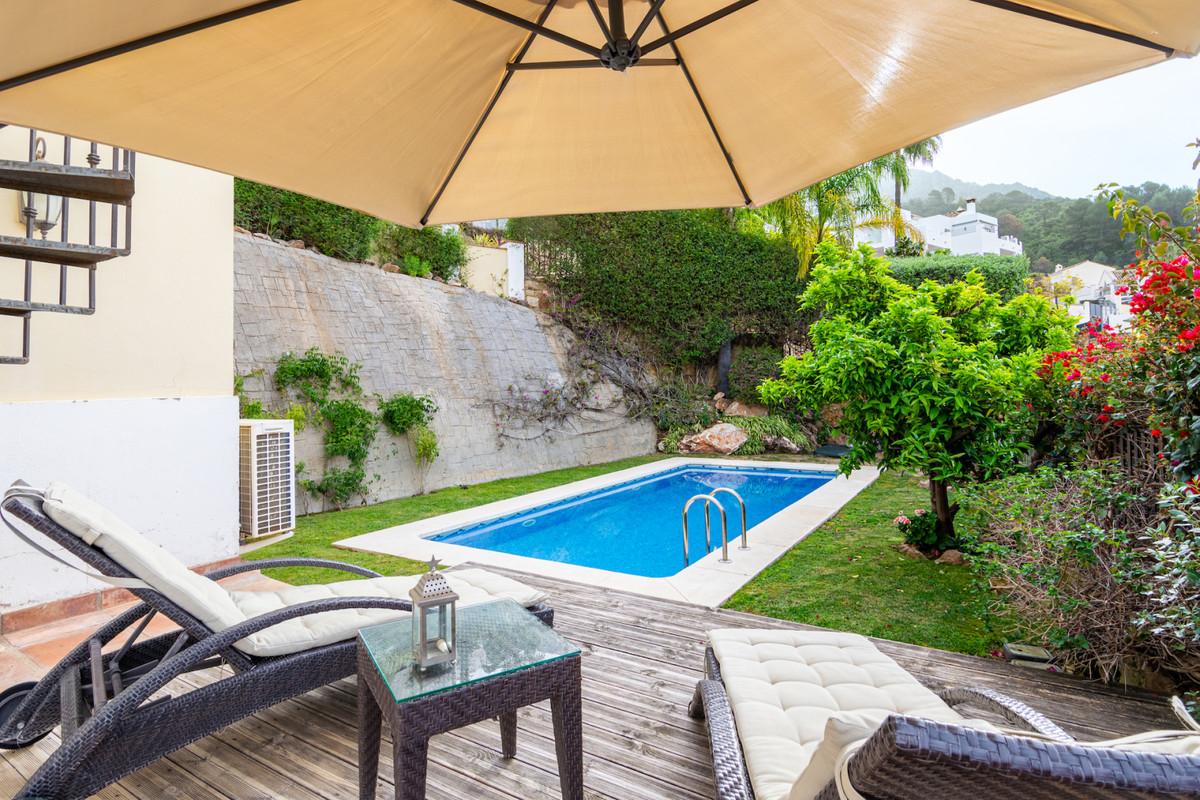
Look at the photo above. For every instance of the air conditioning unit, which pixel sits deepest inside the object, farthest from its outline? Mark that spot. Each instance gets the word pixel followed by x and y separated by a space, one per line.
pixel 268 478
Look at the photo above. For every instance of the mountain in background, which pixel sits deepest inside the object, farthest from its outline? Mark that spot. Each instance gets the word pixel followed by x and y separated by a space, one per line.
pixel 922 181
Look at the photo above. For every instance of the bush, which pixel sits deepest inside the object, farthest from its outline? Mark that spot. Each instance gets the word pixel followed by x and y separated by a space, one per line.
pixel 1002 275
pixel 921 531
pixel 403 412
pixel 751 367
pixel 684 282
pixel 425 443
pixel 679 404
pixel 762 428
pixel 1061 544
pixel 333 230
pixel 445 254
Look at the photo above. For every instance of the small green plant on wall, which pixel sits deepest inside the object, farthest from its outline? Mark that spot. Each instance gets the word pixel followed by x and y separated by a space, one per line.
pixel 326 388
pixel 406 414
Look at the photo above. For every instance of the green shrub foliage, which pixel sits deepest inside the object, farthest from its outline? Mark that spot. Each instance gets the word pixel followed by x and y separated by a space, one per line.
pixel 1002 275
pixel 750 367
pixel 403 412
pixel 331 229
pixel 931 378
pixel 426 251
pixel 684 282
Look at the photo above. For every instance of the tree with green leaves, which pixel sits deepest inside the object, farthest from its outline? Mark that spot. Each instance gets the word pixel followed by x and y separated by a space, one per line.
pixel 934 378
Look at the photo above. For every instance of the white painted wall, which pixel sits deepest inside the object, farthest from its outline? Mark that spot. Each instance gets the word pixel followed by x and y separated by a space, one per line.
pixel 166 466
pixel 132 405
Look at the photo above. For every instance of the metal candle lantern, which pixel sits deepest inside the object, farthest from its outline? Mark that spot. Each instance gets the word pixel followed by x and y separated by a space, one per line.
pixel 433 619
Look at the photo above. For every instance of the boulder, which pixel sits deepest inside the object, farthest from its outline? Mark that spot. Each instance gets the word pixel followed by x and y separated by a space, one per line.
pixel 780 444
pixel 722 438
pixel 952 556
pixel 909 551
pixel 736 408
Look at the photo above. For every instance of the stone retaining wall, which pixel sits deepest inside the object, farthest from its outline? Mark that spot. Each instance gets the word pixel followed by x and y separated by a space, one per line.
pixel 470 351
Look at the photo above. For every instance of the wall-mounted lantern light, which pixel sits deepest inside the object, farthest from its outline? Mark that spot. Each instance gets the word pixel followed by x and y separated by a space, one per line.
pixel 43 210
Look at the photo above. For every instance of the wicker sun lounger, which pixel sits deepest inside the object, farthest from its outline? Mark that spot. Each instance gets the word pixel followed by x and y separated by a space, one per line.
pixel 902 756
pixel 110 702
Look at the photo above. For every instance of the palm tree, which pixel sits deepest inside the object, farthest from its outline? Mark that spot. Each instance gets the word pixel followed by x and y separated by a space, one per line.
pixel 828 208
pixel 896 164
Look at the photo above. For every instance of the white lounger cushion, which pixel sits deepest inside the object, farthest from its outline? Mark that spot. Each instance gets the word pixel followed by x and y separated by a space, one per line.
pixel 204 599
pixel 784 686
pixel 218 608
pixel 303 633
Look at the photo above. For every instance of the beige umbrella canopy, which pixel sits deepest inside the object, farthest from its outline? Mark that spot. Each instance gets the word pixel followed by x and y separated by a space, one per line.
pixel 444 110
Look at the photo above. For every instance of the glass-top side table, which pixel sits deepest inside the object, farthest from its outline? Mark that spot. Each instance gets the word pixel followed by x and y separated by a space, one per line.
pixel 507 659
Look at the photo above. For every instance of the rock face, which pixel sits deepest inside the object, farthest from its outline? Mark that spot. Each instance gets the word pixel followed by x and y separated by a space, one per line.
pixel 736 408
pixel 722 438
pixel 951 557
pixel 471 352
pixel 780 444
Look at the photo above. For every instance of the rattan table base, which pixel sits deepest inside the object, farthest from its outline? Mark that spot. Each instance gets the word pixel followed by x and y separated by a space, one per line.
pixel 413 722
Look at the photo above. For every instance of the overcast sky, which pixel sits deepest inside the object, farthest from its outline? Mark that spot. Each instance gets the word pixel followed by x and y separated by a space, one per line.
pixel 1128 129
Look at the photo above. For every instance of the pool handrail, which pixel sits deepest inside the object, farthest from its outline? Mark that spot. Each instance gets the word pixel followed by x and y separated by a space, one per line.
pixel 708 500
pixel 745 544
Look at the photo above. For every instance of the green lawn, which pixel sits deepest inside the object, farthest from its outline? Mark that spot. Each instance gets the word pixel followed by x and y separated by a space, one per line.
pixel 316 533
pixel 848 576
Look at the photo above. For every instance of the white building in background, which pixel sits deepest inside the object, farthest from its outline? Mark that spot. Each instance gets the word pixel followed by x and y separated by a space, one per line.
pixel 1096 297
pixel 962 233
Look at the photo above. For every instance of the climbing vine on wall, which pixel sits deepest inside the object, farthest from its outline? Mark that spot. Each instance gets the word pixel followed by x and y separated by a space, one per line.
pixel 325 389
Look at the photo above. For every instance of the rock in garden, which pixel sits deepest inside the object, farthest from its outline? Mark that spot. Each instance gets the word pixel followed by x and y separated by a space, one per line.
pixel 780 444
pixel 951 557
pixel 739 409
pixel 393 268
pixel 722 438
pixel 296 243
pixel 909 551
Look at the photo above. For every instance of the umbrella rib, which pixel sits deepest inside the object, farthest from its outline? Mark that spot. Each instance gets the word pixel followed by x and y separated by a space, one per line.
pixel 462 153
pixel 608 37
pixel 587 64
pixel 1049 16
pixel 687 73
pixel 696 25
pixel 138 44
pixel 651 13
pixel 532 27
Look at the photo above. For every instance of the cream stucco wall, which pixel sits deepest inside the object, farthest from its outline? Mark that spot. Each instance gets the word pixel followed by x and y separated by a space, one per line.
pixel 133 405
pixel 487 270
pixel 163 325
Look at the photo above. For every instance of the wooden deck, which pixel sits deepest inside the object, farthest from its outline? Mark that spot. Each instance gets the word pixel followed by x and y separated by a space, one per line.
pixel 640 665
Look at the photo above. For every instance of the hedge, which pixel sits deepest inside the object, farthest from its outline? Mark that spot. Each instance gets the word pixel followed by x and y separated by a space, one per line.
pixel 331 229
pixel 683 281
pixel 1004 275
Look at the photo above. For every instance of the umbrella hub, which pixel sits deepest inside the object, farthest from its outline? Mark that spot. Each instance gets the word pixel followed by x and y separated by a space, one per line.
pixel 620 55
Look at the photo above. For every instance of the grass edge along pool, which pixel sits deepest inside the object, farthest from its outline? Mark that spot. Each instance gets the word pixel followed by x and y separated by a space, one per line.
pixel 635 526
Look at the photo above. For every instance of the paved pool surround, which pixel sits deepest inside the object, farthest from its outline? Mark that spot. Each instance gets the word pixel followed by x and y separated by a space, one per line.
pixel 705 582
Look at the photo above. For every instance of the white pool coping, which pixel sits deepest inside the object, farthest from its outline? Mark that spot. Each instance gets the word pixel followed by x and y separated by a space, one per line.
pixel 706 582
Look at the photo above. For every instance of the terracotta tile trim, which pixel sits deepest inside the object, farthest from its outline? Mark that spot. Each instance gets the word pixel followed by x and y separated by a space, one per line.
pixel 56 610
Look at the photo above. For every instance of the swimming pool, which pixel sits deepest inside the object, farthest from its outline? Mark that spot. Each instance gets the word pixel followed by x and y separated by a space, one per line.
pixel 635 527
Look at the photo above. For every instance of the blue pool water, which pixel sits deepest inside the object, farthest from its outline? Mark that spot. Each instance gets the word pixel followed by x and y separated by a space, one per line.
pixel 636 527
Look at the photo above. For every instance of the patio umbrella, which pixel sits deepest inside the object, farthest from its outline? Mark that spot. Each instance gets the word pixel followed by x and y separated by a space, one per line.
pixel 445 110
